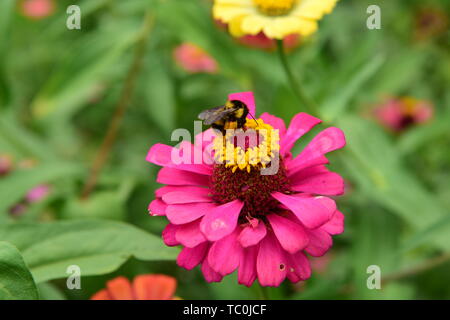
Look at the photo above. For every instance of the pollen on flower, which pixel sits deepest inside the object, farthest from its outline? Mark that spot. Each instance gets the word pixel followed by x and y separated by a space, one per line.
pixel 240 157
pixel 253 147
pixel 275 7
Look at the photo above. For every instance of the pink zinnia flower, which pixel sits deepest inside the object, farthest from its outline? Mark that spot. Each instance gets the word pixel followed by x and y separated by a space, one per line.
pixel 194 59
pixel 37 193
pixel 231 217
pixel 37 9
pixel 400 114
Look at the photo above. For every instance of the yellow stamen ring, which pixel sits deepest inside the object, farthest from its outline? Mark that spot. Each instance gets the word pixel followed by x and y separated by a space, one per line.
pixel 253 148
pixel 274 7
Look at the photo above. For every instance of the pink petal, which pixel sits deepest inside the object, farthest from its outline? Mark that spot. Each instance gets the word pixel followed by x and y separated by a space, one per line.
pixel 311 211
pixel 209 274
pixel 298 163
pixel 299 267
pixel 335 225
pixel 37 193
pixel 390 114
pixel 247 266
pixel 246 97
pixel 166 189
pixel 326 141
pixel 189 234
pixel 157 208
pixel 180 177
pixel 188 195
pixel 186 189
pixel 308 172
pixel 326 183
pixel 271 262
pixel 205 141
pixel 194 59
pixel 221 221
pixel 424 112
pixel 319 242
pixel 161 155
pixel 185 213
pixel 275 122
pixel 225 254
pixel 291 235
pixel 189 258
pixel 198 155
pixel 168 235
pixel 250 235
pixel 300 124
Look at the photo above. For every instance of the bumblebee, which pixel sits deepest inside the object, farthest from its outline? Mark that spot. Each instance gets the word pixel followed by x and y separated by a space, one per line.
pixel 232 115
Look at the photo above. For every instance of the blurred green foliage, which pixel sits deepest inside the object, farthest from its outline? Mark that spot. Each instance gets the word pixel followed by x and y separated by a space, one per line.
pixel 60 87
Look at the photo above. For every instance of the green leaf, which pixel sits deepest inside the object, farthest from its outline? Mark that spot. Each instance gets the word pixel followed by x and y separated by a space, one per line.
pixel 88 63
pixel 402 68
pixel 48 291
pixel 417 137
pixel 14 186
pixel 442 226
pixel 160 96
pixel 337 102
pixel 22 141
pixel 96 246
pixel 6 14
pixel 100 205
pixel 16 281
pixel 371 248
pixel 383 177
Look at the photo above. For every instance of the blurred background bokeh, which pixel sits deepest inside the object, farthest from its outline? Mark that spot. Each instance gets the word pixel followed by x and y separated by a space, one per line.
pixel 388 89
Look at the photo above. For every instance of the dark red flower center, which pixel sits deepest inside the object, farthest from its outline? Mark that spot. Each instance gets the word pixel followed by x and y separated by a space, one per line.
pixel 406 122
pixel 253 188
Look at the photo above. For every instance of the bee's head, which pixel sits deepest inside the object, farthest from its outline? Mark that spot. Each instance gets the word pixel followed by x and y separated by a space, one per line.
pixel 239 106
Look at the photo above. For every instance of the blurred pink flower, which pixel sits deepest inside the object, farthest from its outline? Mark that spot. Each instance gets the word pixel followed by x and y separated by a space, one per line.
pixel 402 113
pixel 18 209
pixel 194 59
pixel 5 164
pixel 37 193
pixel 261 225
pixel 37 9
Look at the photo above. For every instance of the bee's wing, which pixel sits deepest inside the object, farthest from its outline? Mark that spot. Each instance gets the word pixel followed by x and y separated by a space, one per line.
pixel 212 115
pixel 207 113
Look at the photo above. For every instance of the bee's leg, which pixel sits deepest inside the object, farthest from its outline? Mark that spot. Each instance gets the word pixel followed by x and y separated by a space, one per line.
pixel 241 122
pixel 218 128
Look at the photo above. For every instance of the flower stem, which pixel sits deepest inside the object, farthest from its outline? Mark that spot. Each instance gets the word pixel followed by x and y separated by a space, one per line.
pixel 122 104
pixel 263 293
pixel 309 105
pixel 426 265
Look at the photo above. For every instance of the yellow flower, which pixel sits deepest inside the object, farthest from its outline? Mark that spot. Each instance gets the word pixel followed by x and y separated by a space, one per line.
pixel 275 18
